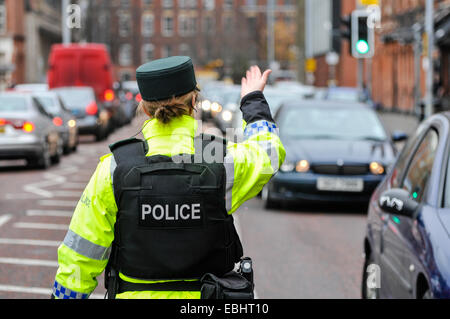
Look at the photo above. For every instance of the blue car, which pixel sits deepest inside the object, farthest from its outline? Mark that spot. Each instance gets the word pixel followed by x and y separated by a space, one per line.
pixel 407 243
pixel 336 152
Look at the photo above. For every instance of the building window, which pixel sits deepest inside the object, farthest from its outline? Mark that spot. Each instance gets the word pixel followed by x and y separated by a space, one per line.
pixel 228 4
pixel 183 4
pixel 125 3
pixel 167 3
pixel 193 3
pixel 183 25
pixel 208 25
pixel 184 49
pixel 125 55
pixel 147 24
pixel 148 52
pixel 147 3
pixel 124 24
pixel 167 26
pixel 227 23
pixel 2 17
pixel 167 51
pixel 208 4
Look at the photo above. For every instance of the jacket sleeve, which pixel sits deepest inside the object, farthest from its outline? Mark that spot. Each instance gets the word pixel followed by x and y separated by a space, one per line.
pixel 251 164
pixel 85 251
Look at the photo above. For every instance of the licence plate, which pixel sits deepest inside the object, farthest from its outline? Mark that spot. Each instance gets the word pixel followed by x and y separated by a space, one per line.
pixel 355 185
pixel 2 129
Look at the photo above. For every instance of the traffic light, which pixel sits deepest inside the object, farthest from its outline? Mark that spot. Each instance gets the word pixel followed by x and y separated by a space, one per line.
pixel 362 35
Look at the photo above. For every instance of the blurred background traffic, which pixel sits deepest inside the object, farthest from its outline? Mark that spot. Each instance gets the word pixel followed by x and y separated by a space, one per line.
pixel 351 82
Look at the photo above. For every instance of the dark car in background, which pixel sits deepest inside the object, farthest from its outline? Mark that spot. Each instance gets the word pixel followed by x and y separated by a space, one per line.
pixel 335 152
pixel 62 118
pixel 407 238
pixel 90 115
pixel 27 131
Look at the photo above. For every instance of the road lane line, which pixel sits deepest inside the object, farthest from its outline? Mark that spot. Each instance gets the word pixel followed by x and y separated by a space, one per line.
pixel 80 186
pixel 53 213
pixel 29 242
pixel 63 203
pixel 4 219
pixel 29 262
pixel 37 291
pixel 42 226
pixel 76 194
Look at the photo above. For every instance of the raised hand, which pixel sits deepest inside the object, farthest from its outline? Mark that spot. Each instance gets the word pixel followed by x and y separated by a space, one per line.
pixel 254 80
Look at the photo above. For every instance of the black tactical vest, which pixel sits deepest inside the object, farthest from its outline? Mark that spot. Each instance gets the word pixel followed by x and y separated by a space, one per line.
pixel 171 222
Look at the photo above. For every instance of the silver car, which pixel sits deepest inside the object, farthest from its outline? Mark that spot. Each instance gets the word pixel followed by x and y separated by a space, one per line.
pixel 62 118
pixel 27 131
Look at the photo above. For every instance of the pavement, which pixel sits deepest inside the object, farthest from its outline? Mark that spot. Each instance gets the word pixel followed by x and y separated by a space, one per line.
pixel 298 252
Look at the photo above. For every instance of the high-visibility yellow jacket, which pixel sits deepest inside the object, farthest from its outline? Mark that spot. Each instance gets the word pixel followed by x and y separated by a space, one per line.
pixel 84 253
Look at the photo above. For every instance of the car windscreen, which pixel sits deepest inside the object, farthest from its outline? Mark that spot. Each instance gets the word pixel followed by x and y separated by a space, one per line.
pixel 344 95
pixel 77 98
pixel 13 104
pixel 348 123
pixel 50 104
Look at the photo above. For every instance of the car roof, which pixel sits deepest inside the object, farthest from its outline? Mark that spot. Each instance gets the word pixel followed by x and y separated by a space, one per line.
pixel 25 94
pixel 322 104
pixel 74 88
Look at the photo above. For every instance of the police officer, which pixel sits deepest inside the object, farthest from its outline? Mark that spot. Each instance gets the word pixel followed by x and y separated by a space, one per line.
pixel 157 213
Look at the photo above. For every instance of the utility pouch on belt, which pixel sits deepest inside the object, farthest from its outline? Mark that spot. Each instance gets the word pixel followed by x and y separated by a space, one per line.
pixel 230 286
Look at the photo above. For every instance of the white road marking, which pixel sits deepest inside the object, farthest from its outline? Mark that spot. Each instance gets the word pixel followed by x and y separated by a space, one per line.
pixel 4 219
pixel 76 194
pixel 29 242
pixel 29 262
pixel 37 291
pixel 63 203
pixel 20 196
pixel 42 226
pixel 53 213
pixel 74 185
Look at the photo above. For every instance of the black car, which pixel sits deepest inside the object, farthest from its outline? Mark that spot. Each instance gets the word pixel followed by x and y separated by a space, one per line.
pixel 407 242
pixel 335 152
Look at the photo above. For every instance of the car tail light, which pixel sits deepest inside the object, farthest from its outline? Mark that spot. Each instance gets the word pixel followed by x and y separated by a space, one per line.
pixel 129 96
pixel 23 125
pixel 109 95
pixel 138 97
pixel 28 127
pixel 92 108
pixel 58 121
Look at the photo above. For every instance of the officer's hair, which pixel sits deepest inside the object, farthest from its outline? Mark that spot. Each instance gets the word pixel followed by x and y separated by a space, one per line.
pixel 165 110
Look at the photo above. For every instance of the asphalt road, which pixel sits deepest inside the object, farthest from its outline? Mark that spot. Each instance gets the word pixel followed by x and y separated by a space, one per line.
pixel 298 252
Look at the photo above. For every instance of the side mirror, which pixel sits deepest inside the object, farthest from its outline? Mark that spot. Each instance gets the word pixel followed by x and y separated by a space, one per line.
pixel 397 201
pixel 399 136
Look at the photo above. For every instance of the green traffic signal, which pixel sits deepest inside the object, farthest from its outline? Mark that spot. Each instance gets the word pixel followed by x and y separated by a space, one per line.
pixel 362 47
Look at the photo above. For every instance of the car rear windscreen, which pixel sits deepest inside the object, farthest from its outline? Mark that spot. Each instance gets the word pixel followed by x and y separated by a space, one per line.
pixel 49 104
pixel 77 98
pixel 13 104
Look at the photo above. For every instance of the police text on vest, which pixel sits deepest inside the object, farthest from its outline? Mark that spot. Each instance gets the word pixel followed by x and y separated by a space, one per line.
pixel 160 212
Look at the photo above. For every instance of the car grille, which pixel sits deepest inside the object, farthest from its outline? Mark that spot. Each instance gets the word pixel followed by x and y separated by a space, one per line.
pixel 341 170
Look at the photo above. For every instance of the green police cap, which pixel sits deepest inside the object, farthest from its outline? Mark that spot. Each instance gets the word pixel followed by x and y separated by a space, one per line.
pixel 164 78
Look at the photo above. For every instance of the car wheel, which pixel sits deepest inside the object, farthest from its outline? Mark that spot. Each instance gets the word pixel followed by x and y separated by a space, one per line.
pixel 44 160
pixel 367 291
pixel 268 202
pixel 59 152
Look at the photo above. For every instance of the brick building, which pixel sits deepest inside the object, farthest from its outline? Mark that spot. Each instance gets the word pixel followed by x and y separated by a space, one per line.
pixel 207 30
pixel 28 28
pixel 398 53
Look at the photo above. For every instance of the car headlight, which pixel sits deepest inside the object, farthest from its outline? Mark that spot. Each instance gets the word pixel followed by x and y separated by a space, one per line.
pixel 206 105
pixel 216 107
pixel 376 168
pixel 302 166
pixel 72 123
pixel 227 116
pixel 287 166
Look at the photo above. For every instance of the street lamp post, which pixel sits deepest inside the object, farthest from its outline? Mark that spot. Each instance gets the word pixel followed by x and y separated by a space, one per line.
pixel 66 34
pixel 429 28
